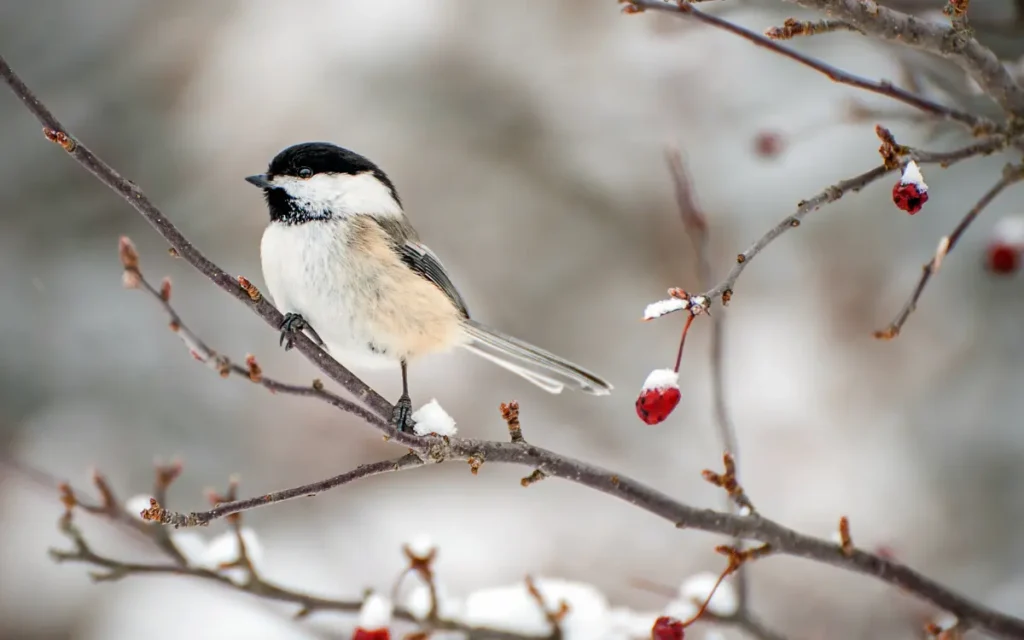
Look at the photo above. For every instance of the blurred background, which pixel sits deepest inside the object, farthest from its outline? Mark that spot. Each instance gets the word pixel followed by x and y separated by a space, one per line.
pixel 526 139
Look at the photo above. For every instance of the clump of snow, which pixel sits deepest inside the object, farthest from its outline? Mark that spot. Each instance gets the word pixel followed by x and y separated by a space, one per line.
pixel 662 379
pixel 375 612
pixel 631 624
pixel 421 546
pixel 432 418
pixel 912 175
pixel 696 589
pixel 946 621
pixel 136 505
pixel 219 551
pixel 699 305
pixel 415 598
pixel 1010 230
pixel 664 307
pixel 512 608
pixel 681 609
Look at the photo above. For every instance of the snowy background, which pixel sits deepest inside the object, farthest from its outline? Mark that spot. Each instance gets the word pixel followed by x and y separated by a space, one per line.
pixel 526 139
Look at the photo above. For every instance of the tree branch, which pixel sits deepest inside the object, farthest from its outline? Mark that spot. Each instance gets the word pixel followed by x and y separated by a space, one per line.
pixel 949 42
pixel 1011 175
pixel 781 539
pixel 977 124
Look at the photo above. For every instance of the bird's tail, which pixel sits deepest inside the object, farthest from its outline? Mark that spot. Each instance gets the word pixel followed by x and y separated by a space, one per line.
pixel 502 349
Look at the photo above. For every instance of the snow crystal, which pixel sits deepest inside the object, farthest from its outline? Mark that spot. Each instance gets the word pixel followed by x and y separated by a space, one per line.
pixel 696 590
pixel 663 307
pixel 375 612
pixel 662 379
pixel 912 175
pixel 432 418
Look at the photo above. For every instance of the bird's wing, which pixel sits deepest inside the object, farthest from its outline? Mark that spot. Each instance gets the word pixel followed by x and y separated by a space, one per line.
pixel 423 261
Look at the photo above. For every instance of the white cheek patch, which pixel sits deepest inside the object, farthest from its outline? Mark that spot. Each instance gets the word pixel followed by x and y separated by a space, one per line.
pixel 340 194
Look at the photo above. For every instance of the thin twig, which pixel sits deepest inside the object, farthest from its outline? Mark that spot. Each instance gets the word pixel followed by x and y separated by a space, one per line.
pixel 202 518
pixel 1011 175
pixel 793 28
pixel 782 539
pixel 977 124
pixel 553 616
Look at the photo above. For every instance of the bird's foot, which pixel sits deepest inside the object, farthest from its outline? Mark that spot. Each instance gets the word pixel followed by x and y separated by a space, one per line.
pixel 294 323
pixel 401 416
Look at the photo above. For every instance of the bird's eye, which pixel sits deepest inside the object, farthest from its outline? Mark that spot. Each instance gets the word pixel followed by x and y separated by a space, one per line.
pixel 305 173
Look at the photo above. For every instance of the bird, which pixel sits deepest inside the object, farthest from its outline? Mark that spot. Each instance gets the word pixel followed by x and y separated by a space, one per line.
pixel 342 261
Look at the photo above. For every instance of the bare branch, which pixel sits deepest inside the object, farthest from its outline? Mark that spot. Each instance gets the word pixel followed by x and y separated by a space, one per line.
pixel 1011 175
pixel 977 124
pixel 950 42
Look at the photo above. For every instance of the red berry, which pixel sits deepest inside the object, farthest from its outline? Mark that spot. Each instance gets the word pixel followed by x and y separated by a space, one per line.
pixel 666 628
pixel 768 144
pixel 372 634
pixel 654 405
pixel 1002 258
pixel 909 197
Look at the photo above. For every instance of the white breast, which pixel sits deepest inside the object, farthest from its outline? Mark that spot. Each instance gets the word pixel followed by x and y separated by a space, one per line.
pixel 305 267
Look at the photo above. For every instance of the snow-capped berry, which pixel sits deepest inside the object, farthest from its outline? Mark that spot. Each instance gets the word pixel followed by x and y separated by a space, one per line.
pixel 911 192
pixel 1002 258
pixel 1003 254
pixel 666 628
pixel 1009 230
pixel 659 396
pixel 374 619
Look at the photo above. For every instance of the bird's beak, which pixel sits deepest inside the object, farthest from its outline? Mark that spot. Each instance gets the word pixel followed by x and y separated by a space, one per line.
pixel 260 180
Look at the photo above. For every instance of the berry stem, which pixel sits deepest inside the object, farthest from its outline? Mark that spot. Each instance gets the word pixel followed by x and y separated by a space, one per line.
pixel 707 600
pixel 682 341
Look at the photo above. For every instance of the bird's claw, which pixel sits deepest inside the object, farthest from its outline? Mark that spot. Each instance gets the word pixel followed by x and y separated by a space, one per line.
pixel 293 323
pixel 401 415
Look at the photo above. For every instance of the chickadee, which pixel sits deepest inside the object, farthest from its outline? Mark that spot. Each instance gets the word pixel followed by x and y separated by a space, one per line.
pixel 341 259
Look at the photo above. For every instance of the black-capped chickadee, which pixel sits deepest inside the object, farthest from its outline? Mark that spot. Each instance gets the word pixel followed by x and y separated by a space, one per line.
pixel 341 258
